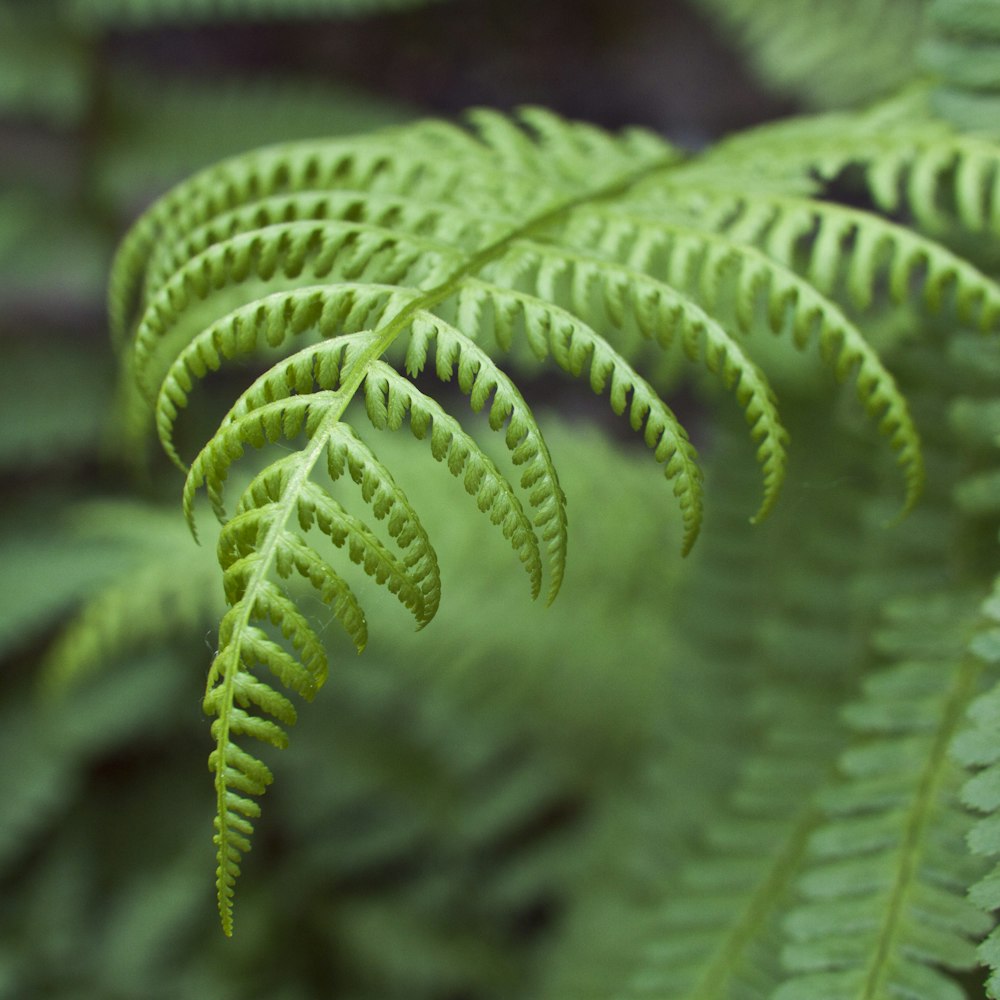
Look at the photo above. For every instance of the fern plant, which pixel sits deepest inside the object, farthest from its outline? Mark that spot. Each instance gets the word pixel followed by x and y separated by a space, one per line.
pixel 767 760
pixel 356 265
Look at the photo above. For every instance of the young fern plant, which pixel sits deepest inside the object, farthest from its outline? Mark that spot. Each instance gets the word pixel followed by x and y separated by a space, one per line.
pixel 359 264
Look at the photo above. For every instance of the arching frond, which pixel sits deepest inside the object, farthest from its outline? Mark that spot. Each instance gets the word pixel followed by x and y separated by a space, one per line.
pixel 576 293
pixel 711 915
pixel 335 261
pixel 484 383
pixel 551 330
pixel 323 311
pixel 390 399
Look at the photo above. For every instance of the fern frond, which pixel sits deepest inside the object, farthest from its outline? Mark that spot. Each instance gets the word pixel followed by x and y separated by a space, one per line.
pixel 484 383
pixel 328 312
pixel 712 928
pixel 218 190
pixel 551 330
pixel 293 255
pixel 617 932
pixel 433 220
pixel 254 540
pixel 232 690
pixel 317 310
pixel 390 399
pixel 337 261
pixel 941 184
pixel 878 918
pixel 433 163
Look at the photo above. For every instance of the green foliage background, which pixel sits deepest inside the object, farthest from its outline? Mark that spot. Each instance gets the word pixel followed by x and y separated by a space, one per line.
pixel 556 803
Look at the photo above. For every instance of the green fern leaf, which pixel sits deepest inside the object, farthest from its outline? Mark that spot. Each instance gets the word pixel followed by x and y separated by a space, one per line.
pixel 484 382
pixel 878 921
pixel 270 323
pixel 332 260
pixel 551 330
pixel 911 164
pixel 941 183
pixel 390 399
pixel 712 926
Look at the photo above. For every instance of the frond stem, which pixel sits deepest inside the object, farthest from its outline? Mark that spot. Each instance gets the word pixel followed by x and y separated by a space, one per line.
pixel 759 908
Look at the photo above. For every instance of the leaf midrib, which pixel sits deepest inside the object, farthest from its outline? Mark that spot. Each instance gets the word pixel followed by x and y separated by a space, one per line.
pixel 925 799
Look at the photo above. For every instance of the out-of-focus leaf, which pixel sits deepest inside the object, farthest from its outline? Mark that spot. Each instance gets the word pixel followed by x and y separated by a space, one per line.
pixel 53 398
